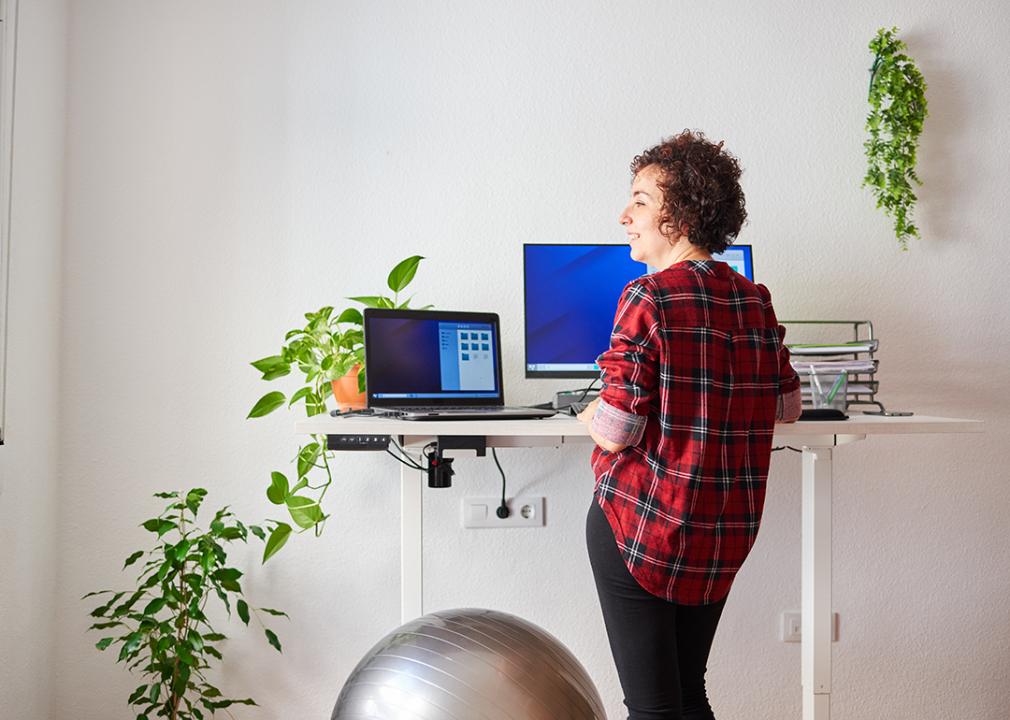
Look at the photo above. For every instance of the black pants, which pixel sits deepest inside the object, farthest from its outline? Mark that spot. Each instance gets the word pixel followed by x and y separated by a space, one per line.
pixel 660 648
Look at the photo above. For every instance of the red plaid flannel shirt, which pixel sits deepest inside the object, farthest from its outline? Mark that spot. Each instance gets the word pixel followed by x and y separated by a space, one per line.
pixel 691 383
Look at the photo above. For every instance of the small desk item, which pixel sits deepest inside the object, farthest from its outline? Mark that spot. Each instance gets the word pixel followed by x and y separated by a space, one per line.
pixel 817 439
pixel 822 414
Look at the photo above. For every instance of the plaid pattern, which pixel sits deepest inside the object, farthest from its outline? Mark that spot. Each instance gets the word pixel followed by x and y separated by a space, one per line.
pixel 697 360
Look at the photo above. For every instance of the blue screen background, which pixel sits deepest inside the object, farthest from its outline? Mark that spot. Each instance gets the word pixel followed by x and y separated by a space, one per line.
pixel 571 298
pixel 572 293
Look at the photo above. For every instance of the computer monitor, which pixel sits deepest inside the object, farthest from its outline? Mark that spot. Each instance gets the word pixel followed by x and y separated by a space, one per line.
pixel 570 298
pixel 740 258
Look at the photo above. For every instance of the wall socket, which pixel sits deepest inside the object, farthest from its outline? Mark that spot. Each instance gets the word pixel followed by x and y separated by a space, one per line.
pixel 480 512
pixel 791 627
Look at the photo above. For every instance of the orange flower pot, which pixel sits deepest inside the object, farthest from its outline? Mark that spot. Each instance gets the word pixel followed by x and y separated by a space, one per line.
pixel 345 391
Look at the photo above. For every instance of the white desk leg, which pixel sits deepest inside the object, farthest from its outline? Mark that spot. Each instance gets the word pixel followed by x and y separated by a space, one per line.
pixel 411 539
pixel 816 608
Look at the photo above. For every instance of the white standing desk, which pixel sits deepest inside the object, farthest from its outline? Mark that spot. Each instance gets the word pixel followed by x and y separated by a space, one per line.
pixel 817 439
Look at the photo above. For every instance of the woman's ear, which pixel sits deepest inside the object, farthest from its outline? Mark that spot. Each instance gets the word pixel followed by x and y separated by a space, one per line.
pixel 671 235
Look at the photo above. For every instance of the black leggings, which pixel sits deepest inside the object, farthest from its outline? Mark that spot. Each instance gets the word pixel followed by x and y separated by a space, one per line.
pixel 660 648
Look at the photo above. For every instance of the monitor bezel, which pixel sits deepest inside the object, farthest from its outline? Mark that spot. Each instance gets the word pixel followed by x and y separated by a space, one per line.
pixel 450 315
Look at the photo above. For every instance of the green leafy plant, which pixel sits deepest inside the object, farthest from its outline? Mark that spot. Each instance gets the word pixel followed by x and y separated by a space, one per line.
pixel 161 628
pixel 323 350
pixel 897 97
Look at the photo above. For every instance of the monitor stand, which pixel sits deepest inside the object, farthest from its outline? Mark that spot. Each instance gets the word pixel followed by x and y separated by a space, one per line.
pixel 564 398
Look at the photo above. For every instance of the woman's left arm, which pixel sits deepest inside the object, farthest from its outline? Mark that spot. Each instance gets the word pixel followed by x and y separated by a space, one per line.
pixel 630 373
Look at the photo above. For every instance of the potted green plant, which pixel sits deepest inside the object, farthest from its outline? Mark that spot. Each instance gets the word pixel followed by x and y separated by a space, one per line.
pixel 162 628
pixel 329 352
pixel 897 97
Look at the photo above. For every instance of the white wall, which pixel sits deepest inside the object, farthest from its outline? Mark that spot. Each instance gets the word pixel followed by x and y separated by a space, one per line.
pixel 232 165
pixel 28 460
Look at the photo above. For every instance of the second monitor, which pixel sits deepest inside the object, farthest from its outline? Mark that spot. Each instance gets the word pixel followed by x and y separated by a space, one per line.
pixel 570 296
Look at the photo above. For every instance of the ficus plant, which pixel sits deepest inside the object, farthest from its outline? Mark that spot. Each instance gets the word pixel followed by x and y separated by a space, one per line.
pixel 897 97
pixel 162 627
pixel 325 349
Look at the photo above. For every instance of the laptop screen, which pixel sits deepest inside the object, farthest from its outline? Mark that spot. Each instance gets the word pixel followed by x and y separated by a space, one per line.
pixel 425 357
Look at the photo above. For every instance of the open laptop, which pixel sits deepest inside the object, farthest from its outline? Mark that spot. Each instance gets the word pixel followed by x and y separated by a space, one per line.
pixel 436 365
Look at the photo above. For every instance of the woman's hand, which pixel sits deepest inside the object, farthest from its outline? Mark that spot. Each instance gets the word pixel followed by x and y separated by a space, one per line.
pixel 586 416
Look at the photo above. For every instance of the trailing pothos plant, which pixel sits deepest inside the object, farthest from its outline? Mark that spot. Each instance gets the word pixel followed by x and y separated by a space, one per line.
pixel 162 628
pixel 325 349
pixel 897 98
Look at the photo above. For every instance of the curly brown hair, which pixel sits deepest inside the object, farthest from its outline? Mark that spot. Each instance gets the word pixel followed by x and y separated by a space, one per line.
pixel 701 189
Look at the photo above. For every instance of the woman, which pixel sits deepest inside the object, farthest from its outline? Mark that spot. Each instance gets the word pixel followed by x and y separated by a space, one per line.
pixel 695 378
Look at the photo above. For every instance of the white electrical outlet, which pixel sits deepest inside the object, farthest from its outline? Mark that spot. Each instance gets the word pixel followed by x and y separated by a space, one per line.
pixel 791 627
pixel 481 512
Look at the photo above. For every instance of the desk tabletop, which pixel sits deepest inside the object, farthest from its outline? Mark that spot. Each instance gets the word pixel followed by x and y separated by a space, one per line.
pixel 565 426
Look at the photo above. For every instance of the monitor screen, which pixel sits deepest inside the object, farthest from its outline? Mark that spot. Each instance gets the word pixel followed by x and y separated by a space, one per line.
pixel 431 356
pixel 571 294
pixel 739 258
pixel 570 298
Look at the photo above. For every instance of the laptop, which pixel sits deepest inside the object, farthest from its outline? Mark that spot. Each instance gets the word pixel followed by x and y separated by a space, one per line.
pixel 437 365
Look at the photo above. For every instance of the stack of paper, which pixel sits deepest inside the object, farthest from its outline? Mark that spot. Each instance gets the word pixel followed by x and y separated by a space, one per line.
pixel 834 366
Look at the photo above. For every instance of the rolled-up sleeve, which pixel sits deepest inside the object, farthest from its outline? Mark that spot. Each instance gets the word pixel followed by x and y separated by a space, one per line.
pixel 617 426
pixel 629 369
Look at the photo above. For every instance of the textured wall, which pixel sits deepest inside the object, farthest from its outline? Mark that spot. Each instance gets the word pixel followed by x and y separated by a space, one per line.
pixel 29 459
pixel 232 165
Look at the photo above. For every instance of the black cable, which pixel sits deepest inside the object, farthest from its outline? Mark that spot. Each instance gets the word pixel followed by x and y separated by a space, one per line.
pixel 393 455
pixel 586 391
pixel 503 509
pixel 412 463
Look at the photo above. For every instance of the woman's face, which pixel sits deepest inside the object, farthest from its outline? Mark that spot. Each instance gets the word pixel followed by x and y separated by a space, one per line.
pixel 641 218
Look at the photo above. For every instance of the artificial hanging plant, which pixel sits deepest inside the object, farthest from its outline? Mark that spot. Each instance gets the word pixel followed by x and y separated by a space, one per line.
pixel 897 99
pixel 330 345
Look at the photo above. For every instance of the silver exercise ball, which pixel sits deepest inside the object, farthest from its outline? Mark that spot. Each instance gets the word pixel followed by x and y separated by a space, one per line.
pixel 469 665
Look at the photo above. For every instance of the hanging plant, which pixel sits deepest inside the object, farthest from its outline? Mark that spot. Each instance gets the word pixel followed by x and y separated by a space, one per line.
pixel 897 111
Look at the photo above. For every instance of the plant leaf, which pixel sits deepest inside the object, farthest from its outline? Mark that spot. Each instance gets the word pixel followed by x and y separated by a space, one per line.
pixel 274 612
pixel 373 301
pixel 307 458
pixel 277 493
pixel 403 273
pixel 272 639
pixel 304 511
pixel 193 499
pixel 351 315
pixel 133 641
pixel 133 558
pixel 304 392
pixel 278 537
pixel 243 611
pixel 269 364
pixel 154 606
pixel 104 643
pixel 267 404
pixel 182 549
